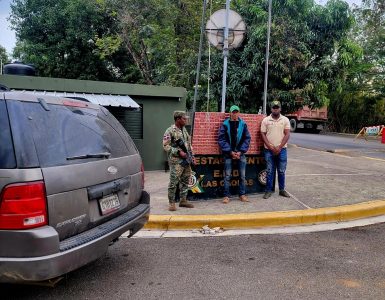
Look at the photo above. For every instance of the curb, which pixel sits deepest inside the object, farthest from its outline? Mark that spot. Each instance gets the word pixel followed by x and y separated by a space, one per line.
pixel 269 219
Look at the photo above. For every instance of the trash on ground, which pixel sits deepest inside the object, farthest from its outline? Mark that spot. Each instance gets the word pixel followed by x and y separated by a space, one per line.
pixel 207 230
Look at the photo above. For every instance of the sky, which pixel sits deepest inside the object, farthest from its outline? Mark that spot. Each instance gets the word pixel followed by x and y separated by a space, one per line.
pixel 7 36
pixel 8 39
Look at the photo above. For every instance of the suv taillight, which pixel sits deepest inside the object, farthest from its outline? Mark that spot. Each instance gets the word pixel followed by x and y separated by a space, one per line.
pixel 23 206
pixel 142 170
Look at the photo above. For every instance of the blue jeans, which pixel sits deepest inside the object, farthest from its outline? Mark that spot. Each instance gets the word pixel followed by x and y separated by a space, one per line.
pixel 275 163
pixel 242 175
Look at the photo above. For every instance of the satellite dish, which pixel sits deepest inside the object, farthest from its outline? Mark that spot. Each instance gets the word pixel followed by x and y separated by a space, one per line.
pixel 216 25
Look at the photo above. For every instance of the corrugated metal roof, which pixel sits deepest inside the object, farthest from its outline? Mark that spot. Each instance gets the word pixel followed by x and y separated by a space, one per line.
pixel 101 99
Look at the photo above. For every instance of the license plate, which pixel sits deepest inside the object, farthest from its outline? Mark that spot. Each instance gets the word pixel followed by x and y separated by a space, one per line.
pixel 109 204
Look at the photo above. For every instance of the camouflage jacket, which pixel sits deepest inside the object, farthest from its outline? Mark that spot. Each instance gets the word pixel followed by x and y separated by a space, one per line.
pixel 172 134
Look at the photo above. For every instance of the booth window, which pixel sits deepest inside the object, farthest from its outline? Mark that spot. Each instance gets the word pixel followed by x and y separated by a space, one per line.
pixel 131 119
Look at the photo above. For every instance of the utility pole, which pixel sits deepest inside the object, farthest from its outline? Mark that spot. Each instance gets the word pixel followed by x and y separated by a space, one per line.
pixel 225 55
pixel 199 58
pixel 267 59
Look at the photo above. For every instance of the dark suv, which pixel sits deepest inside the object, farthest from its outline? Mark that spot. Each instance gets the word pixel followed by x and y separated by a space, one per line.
pixel 71 182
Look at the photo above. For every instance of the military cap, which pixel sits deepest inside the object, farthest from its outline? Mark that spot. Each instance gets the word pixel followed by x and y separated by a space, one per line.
pixel 275 103
pixel 179 114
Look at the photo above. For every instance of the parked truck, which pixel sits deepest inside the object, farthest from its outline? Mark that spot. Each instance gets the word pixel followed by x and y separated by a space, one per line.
pixel 313 119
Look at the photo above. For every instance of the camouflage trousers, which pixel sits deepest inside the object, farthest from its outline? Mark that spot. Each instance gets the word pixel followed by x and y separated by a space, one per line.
pixel 178 175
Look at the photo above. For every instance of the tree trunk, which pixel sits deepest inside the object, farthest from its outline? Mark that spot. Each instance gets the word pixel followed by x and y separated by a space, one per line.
pixel 142 68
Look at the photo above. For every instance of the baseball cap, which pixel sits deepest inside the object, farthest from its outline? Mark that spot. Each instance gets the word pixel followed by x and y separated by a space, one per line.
pixel 234 107
pixel 275 103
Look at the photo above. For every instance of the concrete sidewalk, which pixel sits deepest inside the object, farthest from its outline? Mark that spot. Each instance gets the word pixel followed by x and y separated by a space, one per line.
pixel 325 187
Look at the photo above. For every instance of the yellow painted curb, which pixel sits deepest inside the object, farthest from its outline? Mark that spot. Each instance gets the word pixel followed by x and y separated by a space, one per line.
pixel 269 219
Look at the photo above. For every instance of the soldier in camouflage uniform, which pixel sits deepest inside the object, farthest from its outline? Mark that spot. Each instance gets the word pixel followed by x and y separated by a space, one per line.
pixel 178 160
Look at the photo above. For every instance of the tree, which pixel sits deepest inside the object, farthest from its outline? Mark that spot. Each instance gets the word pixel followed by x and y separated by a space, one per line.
pixel 370 34
pixel 58 37
pixel 142 26
pixel 161 37
pixel 304 56
pixel 361 99
pixel 3 55
pixel 156 42
pixel 153 42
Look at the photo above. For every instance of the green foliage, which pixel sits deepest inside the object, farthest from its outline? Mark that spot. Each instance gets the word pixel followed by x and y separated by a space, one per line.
pixel 360 97
pixel 58 37
pixel 153 42
pixel 107 46
pixel 3 55
pixel 371 35
pixel 161 37
pixel 305 60
pixel 319 55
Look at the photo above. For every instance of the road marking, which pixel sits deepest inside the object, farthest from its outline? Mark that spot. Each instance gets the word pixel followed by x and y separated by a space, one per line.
pixel 350 283
pixel 344 152
pixel 299 201
pixel 380 159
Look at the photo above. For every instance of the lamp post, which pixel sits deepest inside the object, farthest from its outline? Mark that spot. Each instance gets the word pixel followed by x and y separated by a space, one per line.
pixel 267 59
pixel 199 57
pixel 225 55
pixel 225 30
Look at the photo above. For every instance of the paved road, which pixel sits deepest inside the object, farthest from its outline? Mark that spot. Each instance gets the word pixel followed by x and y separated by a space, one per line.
pixel 344 264
pixel 340 143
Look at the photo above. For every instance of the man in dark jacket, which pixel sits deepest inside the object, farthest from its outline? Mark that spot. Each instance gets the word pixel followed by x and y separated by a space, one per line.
pixel 234 140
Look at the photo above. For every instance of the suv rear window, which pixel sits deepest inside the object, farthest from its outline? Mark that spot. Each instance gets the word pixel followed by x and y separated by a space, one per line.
pixel 7 155
pixel 66 135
